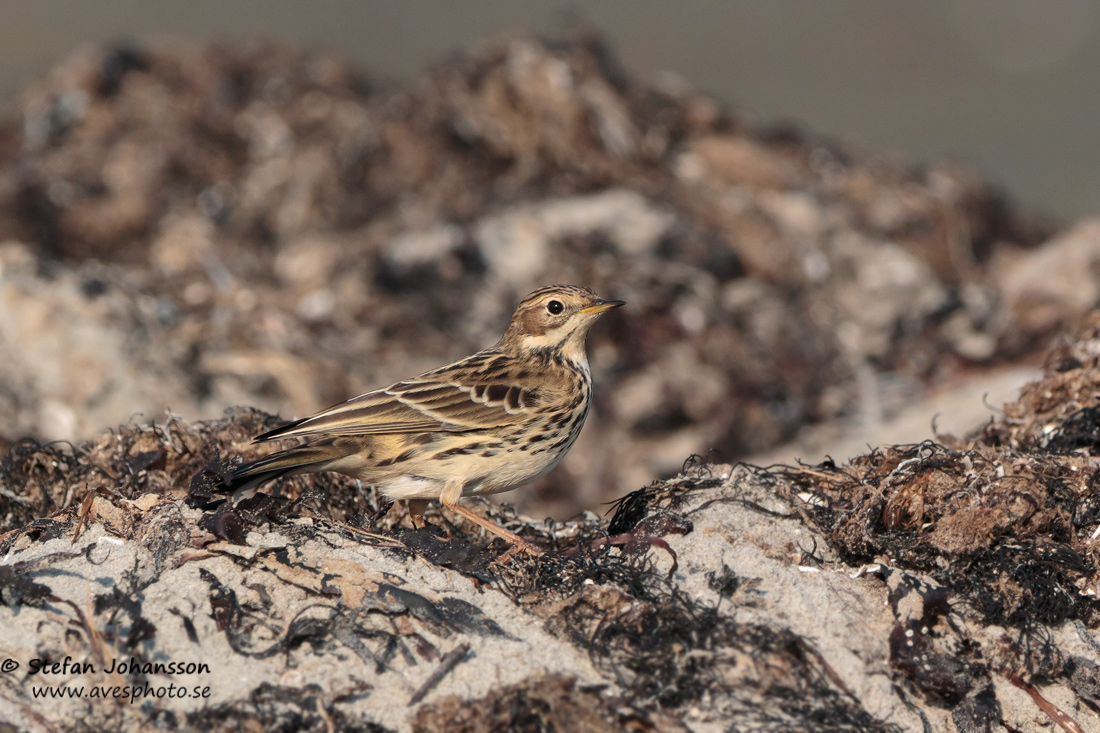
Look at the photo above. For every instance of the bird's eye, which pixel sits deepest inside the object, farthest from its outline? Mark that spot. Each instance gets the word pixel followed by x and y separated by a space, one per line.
pixel 554 307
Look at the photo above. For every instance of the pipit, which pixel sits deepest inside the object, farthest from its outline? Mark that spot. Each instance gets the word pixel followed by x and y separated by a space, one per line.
pixel 486 424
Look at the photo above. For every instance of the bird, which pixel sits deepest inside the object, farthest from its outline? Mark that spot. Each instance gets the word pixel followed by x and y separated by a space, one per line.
pixel 488 423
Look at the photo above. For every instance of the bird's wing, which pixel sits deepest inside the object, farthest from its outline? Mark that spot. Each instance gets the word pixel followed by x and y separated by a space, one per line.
pixel 458 398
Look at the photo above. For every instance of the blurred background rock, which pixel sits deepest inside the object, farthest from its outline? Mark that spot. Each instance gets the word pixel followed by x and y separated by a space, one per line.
pixel 193 219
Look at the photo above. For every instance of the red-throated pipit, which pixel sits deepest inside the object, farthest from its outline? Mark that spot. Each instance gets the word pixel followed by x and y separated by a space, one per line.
pixel 488 423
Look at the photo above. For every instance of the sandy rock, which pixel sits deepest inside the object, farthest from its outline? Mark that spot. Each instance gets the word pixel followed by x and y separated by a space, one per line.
pixel 189 596
pixel 719 596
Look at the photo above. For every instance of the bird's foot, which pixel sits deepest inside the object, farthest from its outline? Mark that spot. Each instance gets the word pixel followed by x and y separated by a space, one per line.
pixel 521 547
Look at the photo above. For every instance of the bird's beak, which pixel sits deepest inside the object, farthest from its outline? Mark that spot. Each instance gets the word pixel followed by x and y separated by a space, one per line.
pixel 601 306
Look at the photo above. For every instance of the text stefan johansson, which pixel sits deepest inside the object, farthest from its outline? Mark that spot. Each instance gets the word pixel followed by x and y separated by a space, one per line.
pixel 117 666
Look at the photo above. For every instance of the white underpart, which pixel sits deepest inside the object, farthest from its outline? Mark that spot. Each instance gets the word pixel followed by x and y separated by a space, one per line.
pixel 412 487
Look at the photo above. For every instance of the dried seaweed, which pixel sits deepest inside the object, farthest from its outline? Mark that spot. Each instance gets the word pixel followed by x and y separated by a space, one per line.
pixel 1004 531
pixel 283 709
pixel 548 703
pixel 668 651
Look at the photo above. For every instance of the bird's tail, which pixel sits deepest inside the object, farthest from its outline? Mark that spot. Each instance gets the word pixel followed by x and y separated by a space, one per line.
pixel 302 459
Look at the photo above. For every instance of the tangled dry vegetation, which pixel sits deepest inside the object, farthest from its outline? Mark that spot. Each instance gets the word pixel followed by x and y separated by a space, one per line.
pixel 1004 522
pixel 977 573
pixel 599 588
pixel 1006 519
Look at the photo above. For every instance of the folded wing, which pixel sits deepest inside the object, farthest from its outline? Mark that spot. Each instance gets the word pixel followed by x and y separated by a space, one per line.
pixel 442 402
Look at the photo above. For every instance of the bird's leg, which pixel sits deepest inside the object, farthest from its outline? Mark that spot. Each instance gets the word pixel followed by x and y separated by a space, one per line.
pixel 452 492
pixel 416 512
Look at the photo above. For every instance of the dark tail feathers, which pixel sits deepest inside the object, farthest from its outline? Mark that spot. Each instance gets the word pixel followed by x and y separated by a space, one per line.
pixel 304 459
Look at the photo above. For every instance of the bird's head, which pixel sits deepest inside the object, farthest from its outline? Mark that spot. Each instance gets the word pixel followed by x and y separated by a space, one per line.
pixel 556 319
